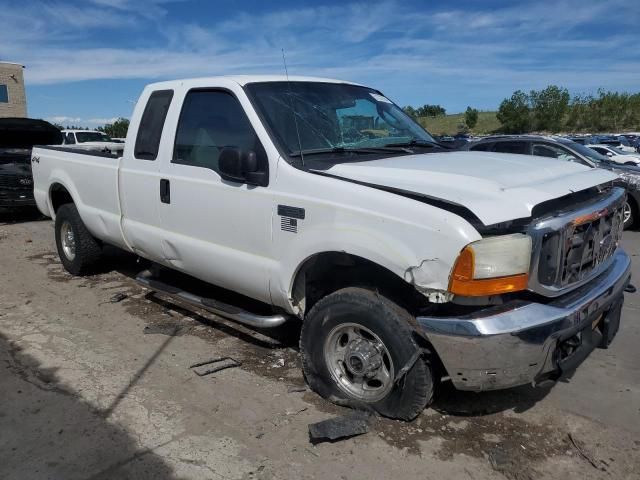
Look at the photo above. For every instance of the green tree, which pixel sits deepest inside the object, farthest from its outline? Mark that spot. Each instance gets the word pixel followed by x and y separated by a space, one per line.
pixel 430 111
pixel 471 117
pixel 549 107
pixel 514 113
pixel 117 129
pixel 409 110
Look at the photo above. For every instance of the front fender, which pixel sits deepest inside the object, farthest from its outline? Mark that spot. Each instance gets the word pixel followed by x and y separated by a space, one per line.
pixel 423 260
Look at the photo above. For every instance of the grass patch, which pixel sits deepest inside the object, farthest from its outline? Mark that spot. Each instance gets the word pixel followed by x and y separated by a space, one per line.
pixel 448 124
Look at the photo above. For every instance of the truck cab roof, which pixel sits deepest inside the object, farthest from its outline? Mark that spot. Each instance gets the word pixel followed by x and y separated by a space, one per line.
pixel 244 80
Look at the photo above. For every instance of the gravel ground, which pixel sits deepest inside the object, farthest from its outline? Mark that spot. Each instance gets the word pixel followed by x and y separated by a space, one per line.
pixel 95 383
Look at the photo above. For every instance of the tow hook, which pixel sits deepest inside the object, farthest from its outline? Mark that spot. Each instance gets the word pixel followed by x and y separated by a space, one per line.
pixel 630 288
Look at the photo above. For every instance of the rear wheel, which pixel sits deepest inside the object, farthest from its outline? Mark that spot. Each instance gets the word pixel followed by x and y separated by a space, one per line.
pixel 79 251
pixel 358 348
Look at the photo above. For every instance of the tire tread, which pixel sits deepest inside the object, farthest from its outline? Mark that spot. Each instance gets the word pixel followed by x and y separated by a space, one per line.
pixel 88 249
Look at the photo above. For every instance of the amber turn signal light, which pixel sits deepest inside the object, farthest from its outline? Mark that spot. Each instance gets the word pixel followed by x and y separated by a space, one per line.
pixel 463 283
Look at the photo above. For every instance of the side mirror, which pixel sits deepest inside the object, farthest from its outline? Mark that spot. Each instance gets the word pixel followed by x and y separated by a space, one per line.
pixel 609 154
pixel 241 167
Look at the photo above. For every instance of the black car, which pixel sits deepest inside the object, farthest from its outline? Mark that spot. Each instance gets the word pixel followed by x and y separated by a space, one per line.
pixel 17 137
pixel 565 149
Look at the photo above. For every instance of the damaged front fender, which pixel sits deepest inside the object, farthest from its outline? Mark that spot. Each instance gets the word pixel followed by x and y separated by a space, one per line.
pixel 426 278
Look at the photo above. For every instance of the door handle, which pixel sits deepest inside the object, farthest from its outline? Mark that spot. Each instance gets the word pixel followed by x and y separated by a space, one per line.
pixel 165 191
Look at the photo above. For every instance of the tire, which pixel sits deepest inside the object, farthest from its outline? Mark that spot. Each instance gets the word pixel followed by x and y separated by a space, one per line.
pixel 374 319
pixel 79 251
pixel 631 207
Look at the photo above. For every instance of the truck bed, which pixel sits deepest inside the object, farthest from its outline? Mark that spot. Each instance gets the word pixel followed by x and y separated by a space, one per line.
pixel 92 153
pixel 90 178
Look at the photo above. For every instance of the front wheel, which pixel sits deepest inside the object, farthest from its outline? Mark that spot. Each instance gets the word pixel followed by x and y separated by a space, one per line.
pixel 630 214
pixel 358 348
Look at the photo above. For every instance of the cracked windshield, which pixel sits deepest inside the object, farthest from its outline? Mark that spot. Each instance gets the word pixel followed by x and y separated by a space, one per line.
pixel 334 117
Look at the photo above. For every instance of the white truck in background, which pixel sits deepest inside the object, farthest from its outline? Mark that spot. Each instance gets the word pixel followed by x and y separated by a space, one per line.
pixel 406 263
pixel 92 141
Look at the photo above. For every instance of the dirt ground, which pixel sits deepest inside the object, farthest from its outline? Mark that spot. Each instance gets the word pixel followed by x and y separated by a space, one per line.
pixel 95 384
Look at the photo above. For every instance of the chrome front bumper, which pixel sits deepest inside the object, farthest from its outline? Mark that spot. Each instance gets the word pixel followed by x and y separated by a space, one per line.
pixel 526 342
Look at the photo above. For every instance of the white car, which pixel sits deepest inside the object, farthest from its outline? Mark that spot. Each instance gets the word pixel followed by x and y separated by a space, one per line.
pixel 405 262
pixel 91 140
pixel 616 154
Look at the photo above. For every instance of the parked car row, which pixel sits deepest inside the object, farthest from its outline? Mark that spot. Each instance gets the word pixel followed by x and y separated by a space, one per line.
pixel 321 200
pixel 627 142
pixel 570 151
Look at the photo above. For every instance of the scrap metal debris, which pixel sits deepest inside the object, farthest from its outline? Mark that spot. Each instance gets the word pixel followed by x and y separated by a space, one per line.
pixel 296 412
pixel 170 329
pixel 581 451
pixel 118 297
pixel 224 363
pixel 337 428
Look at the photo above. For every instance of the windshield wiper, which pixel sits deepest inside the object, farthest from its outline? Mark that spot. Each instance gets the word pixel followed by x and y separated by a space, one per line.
pixel 343 150
pixel 415 143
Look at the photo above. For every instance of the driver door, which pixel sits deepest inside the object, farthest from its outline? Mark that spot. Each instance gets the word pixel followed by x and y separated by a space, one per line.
pixel 216 230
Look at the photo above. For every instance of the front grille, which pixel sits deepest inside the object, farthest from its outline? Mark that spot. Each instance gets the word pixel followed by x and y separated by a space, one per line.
pixel 577 250
pixel 16 182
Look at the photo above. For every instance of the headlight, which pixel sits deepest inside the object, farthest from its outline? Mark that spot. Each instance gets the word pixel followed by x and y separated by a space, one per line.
pixel 492 266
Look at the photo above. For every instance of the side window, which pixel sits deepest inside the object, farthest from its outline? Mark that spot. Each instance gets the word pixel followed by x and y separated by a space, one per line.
pixel 210 121
pixel 600 150
pixel 4 94
pixel 554 152
pixel 70 139
pixel 151 125
pixel 483 147
pixel 511 147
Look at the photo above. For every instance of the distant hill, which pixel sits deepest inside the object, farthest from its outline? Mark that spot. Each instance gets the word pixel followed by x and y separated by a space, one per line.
pixel 448 124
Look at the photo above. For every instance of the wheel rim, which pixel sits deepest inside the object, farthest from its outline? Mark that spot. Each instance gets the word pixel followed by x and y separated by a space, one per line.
pixel 68 241
pixel 359 362
pixel 626 212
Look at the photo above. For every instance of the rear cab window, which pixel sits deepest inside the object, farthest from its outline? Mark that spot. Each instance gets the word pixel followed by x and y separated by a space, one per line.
pixel 151 125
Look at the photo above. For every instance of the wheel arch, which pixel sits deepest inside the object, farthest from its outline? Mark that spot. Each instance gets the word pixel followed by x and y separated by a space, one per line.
pixel 326 272
pixel 633 198
pixel 59 195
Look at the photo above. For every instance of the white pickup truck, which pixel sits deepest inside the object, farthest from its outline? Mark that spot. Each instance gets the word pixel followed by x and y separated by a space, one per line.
pixel 407 263
pixel 91 140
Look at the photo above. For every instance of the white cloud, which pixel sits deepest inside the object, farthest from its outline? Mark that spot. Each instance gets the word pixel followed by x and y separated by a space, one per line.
pixel 63 120
pixel 101 121
pixel 92 122
pixel 524 46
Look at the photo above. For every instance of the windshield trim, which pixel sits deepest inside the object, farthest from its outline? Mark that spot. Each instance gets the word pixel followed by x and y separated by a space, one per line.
pixel 294 158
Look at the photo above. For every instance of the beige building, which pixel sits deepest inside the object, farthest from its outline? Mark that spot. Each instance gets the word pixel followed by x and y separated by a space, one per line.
pixel 13 101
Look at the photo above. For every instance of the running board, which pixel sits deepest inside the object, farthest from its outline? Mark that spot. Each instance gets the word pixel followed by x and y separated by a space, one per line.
pixel 230 312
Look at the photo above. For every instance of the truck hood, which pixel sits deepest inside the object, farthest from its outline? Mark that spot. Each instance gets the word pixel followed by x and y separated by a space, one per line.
pixel 496 187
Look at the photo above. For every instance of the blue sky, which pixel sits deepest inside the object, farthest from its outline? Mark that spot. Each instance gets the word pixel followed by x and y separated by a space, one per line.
pixel 87 61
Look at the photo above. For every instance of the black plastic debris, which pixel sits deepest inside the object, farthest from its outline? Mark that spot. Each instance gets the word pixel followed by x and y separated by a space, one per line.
pixel 339 428
pixel 222 363
pixel 170 329
pixel 118 297
pixel 296 388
